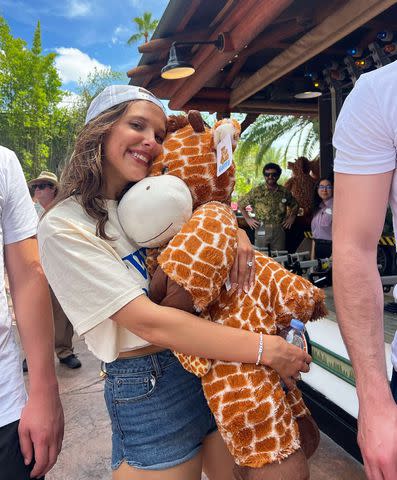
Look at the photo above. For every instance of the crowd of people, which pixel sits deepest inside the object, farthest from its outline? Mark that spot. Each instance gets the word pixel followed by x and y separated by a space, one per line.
pixel 79 246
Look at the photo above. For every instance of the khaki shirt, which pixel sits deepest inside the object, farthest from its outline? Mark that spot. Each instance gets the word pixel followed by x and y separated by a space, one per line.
pixel 270 206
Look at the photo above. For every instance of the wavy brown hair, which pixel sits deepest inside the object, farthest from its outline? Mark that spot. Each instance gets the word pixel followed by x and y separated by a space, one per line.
pixel 82 177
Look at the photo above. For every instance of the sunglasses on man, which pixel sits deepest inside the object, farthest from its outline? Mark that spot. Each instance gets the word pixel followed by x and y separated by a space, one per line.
pixel 42 186
pixel 271 174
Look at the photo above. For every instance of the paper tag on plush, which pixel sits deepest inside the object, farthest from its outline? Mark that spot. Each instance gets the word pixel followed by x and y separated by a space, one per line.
pixel 224 155
pixel 228 284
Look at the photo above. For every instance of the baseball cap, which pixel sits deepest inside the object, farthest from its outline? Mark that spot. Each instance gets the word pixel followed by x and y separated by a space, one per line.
pixel 116 94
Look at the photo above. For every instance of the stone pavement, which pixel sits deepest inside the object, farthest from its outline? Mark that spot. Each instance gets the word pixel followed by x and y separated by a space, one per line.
pixel 86 446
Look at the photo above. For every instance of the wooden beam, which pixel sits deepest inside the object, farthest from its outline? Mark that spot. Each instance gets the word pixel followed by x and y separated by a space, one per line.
pixel 213 93
pixel 242 33
pixel 236 67
pixel 268 38
pixel 163 44
pixel 258 106
pixel 348 18
pixel 142 70
pixel 248 120
pixel 188 15
pixel 222 13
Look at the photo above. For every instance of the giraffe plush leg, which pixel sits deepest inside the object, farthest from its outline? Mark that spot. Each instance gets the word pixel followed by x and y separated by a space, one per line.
pixel 309 433
pixel 294 467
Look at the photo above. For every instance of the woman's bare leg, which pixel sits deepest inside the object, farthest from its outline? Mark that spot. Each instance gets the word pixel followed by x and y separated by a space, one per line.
pixel 217 460
pixel 190 470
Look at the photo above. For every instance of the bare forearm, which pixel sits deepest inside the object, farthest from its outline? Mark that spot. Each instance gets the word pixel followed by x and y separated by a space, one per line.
pixel 244 213
pixel 359 307
pixel 33 312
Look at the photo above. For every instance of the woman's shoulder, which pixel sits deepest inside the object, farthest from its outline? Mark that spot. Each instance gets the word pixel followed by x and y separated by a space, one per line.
pixel 63 217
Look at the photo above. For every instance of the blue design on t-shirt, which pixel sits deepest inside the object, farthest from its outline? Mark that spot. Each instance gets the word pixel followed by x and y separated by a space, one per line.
pixel 137 260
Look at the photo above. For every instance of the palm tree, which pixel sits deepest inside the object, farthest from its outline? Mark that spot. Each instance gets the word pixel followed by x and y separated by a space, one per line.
pixel 146 25
pixel 301 133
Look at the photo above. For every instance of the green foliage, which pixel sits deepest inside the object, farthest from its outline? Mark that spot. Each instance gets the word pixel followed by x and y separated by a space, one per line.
pixel 32 122
pixel 299 134
pixel 146 25
pixel 29 93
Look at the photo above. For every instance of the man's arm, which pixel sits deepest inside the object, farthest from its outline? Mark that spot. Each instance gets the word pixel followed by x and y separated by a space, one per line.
pixel 41 424
pixel 242 205
pixel 359 212
pixel 294 207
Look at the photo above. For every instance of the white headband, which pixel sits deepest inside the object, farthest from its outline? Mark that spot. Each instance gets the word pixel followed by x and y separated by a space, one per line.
pixel 116 94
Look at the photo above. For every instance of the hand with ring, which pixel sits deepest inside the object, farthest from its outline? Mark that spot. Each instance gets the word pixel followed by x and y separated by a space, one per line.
pixel 242 274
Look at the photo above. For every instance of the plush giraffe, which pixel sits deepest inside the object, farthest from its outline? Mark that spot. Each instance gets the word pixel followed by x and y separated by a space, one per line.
pixel 302 186
pixel 255 417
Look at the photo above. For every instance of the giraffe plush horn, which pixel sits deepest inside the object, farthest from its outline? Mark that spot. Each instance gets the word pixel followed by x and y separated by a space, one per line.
pixel 196 121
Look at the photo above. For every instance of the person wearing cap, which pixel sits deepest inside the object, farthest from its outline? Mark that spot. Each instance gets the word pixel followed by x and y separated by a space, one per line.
pixel 31 427
pixel 44 189
pixel 161 425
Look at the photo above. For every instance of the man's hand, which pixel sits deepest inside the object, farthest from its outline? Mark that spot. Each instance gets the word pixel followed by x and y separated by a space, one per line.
pixel 41 430
pixel 288 222
pixel 252 223
pixel 377 438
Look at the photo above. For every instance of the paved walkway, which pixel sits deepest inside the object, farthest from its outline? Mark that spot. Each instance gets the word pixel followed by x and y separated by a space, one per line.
pixel 86 447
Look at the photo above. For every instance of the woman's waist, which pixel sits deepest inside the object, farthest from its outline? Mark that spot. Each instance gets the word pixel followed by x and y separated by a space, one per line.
pixel 141 352
pixel 140 361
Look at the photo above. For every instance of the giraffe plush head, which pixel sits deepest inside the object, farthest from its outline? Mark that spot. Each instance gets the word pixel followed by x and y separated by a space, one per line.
pixel 189 152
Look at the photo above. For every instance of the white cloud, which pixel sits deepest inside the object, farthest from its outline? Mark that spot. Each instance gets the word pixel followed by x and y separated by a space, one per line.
pixel 74 65
pixel 121 34
pixel 78 8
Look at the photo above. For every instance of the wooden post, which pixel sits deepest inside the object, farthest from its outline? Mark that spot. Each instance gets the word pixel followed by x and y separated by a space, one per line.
pixel 326 149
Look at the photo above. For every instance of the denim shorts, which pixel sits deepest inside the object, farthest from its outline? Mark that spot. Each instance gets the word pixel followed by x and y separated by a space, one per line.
pixel 158 412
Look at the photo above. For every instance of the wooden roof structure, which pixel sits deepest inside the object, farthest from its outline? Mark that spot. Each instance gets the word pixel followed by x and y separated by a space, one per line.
pixel 272 46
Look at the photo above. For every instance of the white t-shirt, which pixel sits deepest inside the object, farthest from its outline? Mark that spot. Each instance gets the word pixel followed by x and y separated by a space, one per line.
pixel 366 134
pixel 92 278
pixel 18 222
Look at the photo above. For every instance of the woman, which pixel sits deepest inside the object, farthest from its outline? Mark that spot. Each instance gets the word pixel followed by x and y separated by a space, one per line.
pixel 161 425
pixel 322 220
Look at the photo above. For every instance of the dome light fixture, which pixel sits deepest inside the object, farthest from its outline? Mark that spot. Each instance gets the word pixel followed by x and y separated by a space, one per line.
pixel 177 68
pixel 307 89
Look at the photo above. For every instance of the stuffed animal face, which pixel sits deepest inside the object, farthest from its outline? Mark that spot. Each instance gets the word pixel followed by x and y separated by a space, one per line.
pixel 154 210
pixel 189 152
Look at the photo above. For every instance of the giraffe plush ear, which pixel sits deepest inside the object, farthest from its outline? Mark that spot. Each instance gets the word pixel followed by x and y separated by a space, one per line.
pixel 200 256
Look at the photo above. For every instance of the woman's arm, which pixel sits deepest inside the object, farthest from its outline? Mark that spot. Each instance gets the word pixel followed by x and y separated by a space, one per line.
pixel 186 333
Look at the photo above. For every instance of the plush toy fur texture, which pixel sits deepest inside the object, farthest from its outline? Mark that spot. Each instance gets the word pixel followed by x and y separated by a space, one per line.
pixel 302 187
pixel 255 417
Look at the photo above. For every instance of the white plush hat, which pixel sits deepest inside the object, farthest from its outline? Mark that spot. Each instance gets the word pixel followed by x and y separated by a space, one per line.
pixel 154 210
pixel 116 94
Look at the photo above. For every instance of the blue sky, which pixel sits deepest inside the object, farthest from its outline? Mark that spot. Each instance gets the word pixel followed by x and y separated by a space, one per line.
pixel 84 33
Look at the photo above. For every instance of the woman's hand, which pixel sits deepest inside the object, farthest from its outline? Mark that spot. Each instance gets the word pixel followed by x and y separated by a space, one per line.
pixel 242 274
pixel 288 360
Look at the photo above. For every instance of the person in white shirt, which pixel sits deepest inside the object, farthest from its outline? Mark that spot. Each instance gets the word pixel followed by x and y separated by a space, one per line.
pixel 365 182
pixel 31 429
pixel 162 427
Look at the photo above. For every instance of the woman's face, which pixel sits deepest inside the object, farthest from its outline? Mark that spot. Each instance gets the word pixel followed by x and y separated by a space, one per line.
pixel 325 190
pixel 131 145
